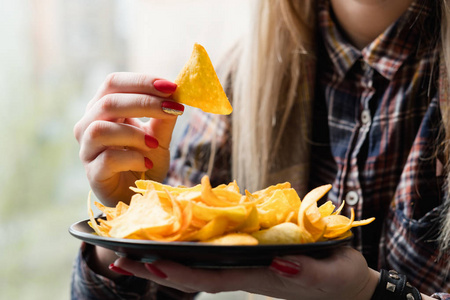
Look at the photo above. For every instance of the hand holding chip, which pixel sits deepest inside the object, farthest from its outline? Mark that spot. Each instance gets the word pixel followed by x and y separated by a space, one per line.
pixel 115 143
pixel 116 146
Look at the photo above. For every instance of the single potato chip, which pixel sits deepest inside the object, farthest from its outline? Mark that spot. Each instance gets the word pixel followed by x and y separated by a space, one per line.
pixel 309 217
pixel 251 224
pixel 199 86
pixel 233 239
pixel 144 213
pixel 234 213
pixel 277 208
pixel 214 228
pixel 284 233
pixel 326 209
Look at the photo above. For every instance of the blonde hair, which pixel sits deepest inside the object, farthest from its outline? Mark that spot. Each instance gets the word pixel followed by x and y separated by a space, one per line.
pixel 270 69
pixel 445 111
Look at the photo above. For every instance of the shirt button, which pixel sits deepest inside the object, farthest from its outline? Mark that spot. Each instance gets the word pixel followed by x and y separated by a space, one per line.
pixel 351 198
pixel 365 117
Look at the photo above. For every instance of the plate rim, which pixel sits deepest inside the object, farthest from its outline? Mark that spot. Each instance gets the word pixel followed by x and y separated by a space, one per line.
pixel 90 236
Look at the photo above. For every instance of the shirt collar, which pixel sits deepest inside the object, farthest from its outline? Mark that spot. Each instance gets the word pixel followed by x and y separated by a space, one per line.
pixel 389 50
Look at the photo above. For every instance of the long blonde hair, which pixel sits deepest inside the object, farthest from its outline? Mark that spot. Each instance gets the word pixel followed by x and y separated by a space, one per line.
pixel 270 69
pixel 445 111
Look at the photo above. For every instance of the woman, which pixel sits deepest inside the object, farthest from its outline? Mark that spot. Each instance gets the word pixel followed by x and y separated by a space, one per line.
pixel 351 93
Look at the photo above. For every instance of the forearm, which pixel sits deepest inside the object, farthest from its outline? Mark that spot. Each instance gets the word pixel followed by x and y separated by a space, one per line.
pixel 92 281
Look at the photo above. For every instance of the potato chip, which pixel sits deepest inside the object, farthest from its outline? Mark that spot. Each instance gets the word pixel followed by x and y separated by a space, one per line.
pixel 112 212
pixel 199 86
pixel 214 228
pixel 98 230
pixel 363 222
pixel 309 217
pixel 251 224
pixel 284 233
pixel 233 213
pixel 210 198
pixel 337 225
pixel 142 185
pixel 326 209
pixel 144 213
pixel 277 208
pixel 232 186
pixel 267 192
pixel 233 239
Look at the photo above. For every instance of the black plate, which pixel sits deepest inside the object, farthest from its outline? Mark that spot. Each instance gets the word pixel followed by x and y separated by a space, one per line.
pixel 202 255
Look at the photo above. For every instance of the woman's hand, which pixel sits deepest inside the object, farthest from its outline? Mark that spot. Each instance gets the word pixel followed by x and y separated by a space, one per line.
pixel 115 145
pixel 343 275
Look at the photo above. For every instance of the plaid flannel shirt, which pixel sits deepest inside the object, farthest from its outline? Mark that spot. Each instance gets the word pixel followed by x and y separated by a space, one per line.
pixel 376 138
pixel 376 123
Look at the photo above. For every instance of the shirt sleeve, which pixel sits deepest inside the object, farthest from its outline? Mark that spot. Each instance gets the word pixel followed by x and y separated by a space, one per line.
pixel 88 285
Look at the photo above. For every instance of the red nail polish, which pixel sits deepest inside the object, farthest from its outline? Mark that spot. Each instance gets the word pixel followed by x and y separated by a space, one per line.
pixel 148 163
pixel 284 267
pixel 155 271
pixel 164 86
pixel 151 142
pixel 172 107
pixel 116 269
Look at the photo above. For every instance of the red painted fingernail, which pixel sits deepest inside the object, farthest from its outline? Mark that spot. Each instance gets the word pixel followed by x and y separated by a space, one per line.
pixel 151 142
pixel 172 108
pixel 164 86
pixel 116 269
pixel 284 267
pixel 155 271
pixel 148 163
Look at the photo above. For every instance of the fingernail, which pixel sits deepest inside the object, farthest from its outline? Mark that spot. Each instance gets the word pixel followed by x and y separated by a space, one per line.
pixel 148 163
pixel 155 271
pixel 165 86
pixel 172 108
pixel 285 267
pixel 151 142
pixel 116 269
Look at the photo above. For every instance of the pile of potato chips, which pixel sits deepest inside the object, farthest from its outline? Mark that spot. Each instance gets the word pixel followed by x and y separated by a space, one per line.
pixel 224 216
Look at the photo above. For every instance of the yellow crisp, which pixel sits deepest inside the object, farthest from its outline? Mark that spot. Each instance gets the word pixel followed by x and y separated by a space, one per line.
pixel 199 86
pixel 284 233
pixel 223 216
pixel 233 239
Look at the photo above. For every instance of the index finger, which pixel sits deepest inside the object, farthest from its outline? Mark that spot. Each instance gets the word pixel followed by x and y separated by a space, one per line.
pixel 113 107
pixel 128 82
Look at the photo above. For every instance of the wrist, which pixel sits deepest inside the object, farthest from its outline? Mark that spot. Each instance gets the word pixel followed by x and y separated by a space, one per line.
pixel 99 260
pixel 369 288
